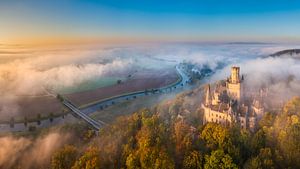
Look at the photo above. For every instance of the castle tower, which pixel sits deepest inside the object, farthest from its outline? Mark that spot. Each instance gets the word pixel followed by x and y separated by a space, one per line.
pixel 235 75
pixel 208 97
pixel 234 84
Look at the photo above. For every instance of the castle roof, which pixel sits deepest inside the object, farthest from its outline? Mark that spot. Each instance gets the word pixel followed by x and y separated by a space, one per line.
pixel 222 108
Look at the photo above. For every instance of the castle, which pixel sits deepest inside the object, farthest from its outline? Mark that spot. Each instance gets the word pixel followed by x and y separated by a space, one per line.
pixel 227 103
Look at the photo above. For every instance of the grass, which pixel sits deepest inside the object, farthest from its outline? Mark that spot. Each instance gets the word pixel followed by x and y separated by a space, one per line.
pixel 92 84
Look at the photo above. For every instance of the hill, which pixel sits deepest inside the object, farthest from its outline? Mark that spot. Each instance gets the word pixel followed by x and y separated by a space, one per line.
pixel 295 53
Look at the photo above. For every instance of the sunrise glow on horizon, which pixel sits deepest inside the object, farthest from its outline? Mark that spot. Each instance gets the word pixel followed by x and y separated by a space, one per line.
pixel 78 21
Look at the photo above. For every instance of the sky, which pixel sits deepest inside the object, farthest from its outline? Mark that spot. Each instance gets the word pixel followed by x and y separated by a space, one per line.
pixel 109 21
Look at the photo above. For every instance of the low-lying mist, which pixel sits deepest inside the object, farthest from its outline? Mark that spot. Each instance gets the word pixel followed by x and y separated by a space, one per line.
pixel 280 76
pixel 27 153
pixel 59 68
pixel 29 75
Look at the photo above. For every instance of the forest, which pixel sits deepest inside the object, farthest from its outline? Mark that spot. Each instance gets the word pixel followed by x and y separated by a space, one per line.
pixel 171 135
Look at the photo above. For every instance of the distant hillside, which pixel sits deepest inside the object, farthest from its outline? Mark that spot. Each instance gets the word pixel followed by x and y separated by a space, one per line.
pixel 250 43
pixel 289 52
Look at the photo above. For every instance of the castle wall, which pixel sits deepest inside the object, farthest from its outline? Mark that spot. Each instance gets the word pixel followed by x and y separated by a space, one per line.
pixel 234 90
pixel 215 100
pixel 215 116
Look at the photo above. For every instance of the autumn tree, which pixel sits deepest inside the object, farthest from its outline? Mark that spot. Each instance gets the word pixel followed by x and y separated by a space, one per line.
pixel 287 131
pixel 265 156
pixel 262 160
pixel 257 142
pixel 219 160
pixel 89 160
pixel 132 162
pixel 253 163
pixel 64 158
pixel 215 135
pixel 193 160
pixel 290 145
pixel 164 161
pixel 267 120
pixel 183 141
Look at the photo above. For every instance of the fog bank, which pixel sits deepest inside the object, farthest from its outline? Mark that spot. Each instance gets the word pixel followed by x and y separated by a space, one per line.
pixel 30 71
pixel 29 153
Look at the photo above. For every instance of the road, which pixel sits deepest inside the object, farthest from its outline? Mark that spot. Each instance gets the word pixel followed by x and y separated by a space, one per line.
pixel 83 112
pixel 95 124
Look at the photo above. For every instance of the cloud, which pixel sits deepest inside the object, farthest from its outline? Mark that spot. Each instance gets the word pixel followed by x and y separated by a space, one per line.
pixel 54 69
pixel 71 66
pixel 30 75
pixel 26 153
pixel 279 75
pixel 10 147
pixel 64 67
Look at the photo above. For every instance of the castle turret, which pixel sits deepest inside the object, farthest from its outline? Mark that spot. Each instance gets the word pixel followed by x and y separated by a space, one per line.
pixel 235 75
pixel 208 97
pixel 234 83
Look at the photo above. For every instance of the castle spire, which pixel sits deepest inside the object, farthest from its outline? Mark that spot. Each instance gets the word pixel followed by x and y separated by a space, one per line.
pixel 208 97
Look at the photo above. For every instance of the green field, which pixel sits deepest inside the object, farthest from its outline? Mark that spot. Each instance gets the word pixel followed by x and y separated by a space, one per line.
pixel 91 85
